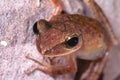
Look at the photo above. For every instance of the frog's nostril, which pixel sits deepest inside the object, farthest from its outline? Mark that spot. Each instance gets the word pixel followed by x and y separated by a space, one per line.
pixel 35 30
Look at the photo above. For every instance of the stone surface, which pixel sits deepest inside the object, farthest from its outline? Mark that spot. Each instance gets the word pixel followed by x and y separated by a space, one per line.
pixel 17 18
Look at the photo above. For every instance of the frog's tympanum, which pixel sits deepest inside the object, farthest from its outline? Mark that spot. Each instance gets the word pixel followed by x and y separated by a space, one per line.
pixel 66 37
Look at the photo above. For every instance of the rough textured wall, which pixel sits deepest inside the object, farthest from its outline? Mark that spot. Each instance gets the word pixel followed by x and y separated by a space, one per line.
pixel 16 20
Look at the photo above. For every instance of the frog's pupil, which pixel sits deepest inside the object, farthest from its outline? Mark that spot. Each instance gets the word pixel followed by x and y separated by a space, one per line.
pixel 35 30
pixel 71 42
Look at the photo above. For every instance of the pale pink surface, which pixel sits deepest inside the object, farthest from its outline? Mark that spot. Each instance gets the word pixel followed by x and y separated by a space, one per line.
pixel 16 20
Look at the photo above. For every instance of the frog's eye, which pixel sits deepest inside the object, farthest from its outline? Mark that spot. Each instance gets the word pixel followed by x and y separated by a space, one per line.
pixel 71 41
pixel 41 26
pixel 35 30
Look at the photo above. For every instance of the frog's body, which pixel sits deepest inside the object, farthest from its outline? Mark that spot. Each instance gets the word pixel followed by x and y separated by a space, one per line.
pixel 66 37
pixel 91 43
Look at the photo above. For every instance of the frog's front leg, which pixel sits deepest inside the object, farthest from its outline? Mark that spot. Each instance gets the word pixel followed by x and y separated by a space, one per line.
pixel 98 14
pixel 71 67
pixel 51 69
pixel 41 65
pixel 95 69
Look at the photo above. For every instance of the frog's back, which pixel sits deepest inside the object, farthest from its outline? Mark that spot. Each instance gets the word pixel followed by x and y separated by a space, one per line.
pixel 88 27
pixel 79 22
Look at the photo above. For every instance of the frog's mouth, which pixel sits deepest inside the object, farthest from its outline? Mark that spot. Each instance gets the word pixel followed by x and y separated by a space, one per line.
pixel 62 49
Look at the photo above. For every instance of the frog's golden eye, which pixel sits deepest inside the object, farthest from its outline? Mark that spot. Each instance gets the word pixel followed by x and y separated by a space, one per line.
pixel 71 41
pixel 41 26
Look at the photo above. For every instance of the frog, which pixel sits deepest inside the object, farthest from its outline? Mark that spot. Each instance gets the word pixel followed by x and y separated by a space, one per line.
pixel 65 37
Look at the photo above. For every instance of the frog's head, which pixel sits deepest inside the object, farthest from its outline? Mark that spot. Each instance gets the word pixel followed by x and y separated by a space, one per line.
pixel 57 39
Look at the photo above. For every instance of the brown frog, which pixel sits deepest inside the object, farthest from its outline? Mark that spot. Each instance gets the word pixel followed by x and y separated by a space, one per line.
pixel 66 37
